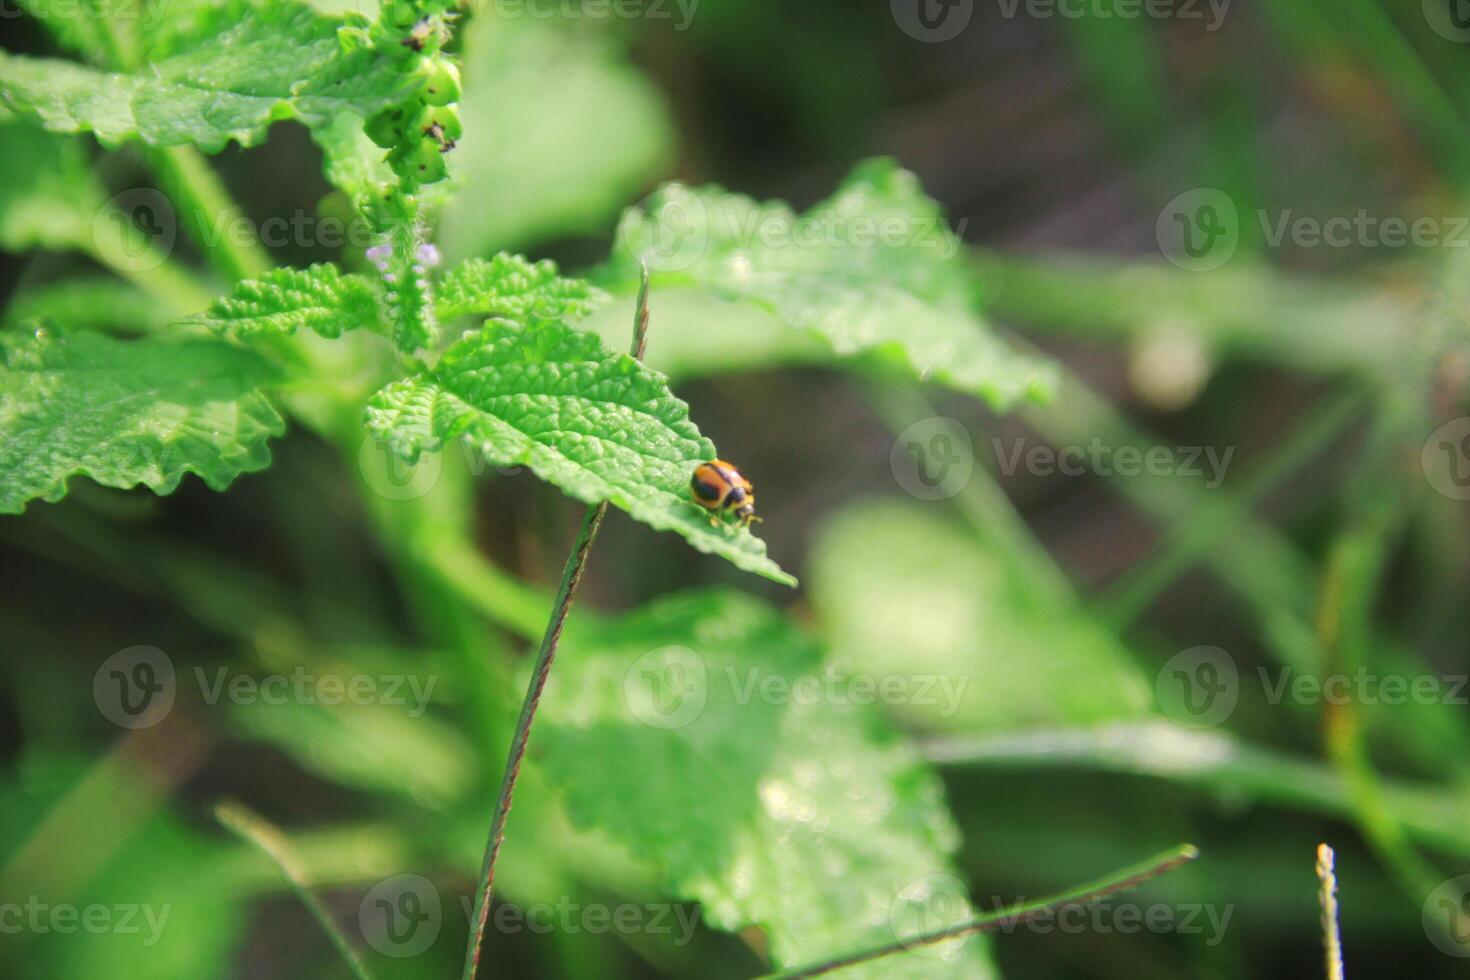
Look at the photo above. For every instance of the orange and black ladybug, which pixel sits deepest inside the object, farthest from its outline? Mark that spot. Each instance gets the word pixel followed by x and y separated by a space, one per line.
pixel 719 488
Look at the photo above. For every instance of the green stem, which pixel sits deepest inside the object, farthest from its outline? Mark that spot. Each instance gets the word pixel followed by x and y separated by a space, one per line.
pixel 540 672
pixel 1347 596
pixel 255 829
pixel 1189 542
pixel 208 212
pixel 1008 919
pixel 981 502
pixel 1211 761
pixel 115 243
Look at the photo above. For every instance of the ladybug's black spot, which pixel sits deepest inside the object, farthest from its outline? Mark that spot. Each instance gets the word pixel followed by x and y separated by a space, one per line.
pixel 705 491
pixel 737 496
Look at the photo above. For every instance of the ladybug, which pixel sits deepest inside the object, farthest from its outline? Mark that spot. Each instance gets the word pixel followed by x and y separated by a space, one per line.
pixel 719 488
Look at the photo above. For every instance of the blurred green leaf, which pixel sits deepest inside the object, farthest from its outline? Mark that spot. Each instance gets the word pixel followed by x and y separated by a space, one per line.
pixel 153 909
pixel 48 198
pixel 805 816
pixel 127 412
pixel 600 426
pixel 875 271
pixel 901 591
pixel 559 133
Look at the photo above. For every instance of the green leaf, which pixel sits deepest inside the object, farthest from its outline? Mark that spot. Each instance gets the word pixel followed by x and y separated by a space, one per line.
pixel 807 817
pixel 512 288
pixel 900 589
pixel 127 412
pixel 48 198
pixel 601 426
pixel 873 272
pixel 560 132
pixel 279 61
pixel 285 300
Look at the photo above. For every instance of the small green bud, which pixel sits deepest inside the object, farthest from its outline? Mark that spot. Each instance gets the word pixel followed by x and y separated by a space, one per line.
pixel 441 81
pixel 386 129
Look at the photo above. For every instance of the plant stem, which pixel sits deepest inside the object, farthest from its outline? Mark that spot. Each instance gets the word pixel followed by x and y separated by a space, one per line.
pixel 1211 761
pixel 116 244
pixel 255 829
pixel 571 576
pixel 1186 543
pixel 1349 587
pixel 208 213
pixel 1327 895
pixel 981 502
pixel 1013 916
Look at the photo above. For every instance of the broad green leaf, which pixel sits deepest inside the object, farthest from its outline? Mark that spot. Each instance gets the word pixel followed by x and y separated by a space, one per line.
pixel 48 199
pixel 285 300
pixel 900 589
pixel 805 816
pixel 560 132
pixel 279 61
pixel 875 271
pixel 599 425
pixel 127 412
pixel 512 288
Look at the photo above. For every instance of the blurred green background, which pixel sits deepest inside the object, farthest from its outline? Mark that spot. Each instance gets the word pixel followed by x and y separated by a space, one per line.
pixel 1066 150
